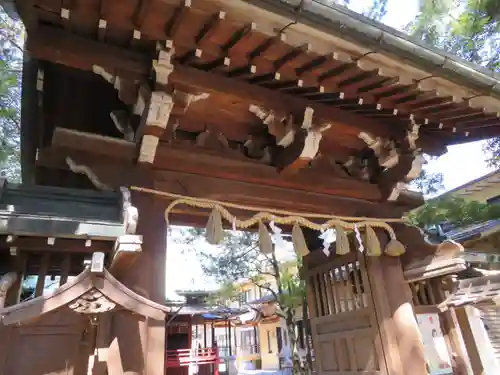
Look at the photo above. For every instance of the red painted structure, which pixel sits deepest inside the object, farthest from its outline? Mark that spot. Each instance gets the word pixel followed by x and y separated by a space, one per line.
pixel 207 359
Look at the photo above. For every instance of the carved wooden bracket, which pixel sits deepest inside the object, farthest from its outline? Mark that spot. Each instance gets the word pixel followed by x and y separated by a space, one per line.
pixel 385 150
pixel 281 127
pixel 163 66
pixel 296 146
pixel 396 166
pixel 127 89
pixel 159 108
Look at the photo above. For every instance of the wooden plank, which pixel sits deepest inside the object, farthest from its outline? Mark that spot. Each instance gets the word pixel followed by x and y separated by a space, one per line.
pixel 60 47
pixel 230 165
pixel 224 165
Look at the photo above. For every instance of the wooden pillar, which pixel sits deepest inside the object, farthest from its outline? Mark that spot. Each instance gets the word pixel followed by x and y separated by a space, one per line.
pixel 470 345
pixel 205 334
pixel 394 309
pixel 139 344
pixel 452 331
pixel 229 337
pixel 149 271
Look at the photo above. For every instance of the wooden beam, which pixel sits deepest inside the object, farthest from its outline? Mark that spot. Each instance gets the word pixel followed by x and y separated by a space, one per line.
pixel 61 47
pixel 230 165
pixel 340 121
pixel 234 167
pixel 115 173
pixel 269 196
pixel 67 245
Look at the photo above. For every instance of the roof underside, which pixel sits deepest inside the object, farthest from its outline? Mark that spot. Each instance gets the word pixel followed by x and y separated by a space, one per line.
pixel 242 55
pixel 302 61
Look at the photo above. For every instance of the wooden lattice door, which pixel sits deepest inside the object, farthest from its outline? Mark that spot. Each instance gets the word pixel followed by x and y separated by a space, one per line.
pixel 344 325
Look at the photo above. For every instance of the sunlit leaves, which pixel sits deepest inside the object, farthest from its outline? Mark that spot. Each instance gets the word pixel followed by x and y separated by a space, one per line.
pixel 11 57
pixel 454 210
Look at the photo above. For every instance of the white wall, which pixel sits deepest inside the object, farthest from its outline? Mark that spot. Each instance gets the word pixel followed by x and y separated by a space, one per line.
pixel 490 364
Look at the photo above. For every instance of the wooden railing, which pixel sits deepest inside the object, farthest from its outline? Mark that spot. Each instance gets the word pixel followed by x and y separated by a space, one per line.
pixel 204 357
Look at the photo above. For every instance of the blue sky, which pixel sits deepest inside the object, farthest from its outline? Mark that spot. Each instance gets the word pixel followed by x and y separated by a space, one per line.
pixel 461 164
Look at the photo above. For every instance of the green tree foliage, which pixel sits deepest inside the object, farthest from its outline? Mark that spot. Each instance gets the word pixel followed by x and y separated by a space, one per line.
pixel 469 29
pixel 453 210
pixel 11 55
pixel 428 183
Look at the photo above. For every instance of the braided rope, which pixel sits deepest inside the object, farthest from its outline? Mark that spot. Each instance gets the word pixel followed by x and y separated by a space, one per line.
pixel 267 214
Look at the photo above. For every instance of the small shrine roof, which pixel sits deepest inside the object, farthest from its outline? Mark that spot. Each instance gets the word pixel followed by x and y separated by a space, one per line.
pixel 206 311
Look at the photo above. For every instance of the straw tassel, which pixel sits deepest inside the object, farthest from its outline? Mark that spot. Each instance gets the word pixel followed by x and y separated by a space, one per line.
pixel 299 241
pixel 265 241
pixel 341 241
pixel 372 242
pixel 395 248
pixel 214 230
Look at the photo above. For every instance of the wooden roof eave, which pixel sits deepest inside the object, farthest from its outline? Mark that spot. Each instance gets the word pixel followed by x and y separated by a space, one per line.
pixel 379 45
pixel 485 238
pixel 87 281
pixel 445 261
pixel 478 291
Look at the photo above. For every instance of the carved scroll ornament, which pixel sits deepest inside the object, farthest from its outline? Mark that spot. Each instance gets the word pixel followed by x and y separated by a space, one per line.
pixel 92 302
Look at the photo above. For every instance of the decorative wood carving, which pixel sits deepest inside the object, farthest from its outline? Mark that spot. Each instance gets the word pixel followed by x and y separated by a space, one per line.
pixel 92 302
pixel 213 140
pixel 130 213
pixel 391 166
pixel 163 66
pixel 6 281
pixel 188 98
pixel 127 89
pixel 87 171
pixel 158 114
pixel 296 146
pixel 160 107
pixel 282 128
pixel 385 150
pixel 121 119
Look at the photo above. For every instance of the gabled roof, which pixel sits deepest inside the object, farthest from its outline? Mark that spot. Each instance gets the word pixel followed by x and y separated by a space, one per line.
pixel 483 290
pixel 488 180
pixel 89 293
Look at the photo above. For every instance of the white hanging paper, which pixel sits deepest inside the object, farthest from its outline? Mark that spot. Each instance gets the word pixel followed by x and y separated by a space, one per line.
pixel 358 237
pixel 328 237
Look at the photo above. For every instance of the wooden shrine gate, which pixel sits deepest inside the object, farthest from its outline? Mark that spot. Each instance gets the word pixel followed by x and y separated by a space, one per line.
pixel 344 325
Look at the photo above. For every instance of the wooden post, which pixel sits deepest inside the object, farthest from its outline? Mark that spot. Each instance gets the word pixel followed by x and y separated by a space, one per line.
pixel 139 342
pixel 397 319
pixel 205 333
pixel 452 330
